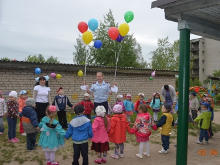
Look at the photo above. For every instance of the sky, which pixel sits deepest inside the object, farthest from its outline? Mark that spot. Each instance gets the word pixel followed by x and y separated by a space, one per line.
pixel 49 27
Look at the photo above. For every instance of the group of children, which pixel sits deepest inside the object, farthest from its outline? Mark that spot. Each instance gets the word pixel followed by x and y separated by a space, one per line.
pixel 103 129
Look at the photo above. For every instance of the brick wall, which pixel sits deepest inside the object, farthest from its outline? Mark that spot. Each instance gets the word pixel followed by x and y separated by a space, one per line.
pixel 20 75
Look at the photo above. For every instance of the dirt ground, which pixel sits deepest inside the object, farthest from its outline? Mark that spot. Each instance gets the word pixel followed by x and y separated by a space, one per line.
pixel 197 154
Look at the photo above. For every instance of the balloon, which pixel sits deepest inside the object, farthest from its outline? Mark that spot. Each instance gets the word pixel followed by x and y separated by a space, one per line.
pixel 93 24
pixel 58 76
pixel 37 70
pixel 150 78
pixel 120 38
pixel 87 37
pixel 53 75
pixel 129 16
pixel 123 29
pixel 113 33
pixel 153 73
pixel 83 27
pixel 98 44
pixel 80 73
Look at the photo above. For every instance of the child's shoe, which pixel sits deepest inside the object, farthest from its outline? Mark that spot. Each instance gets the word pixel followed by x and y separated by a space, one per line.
pixel 146 154
pixel 98 161
pixel 23 134
pixel 121 155
pixel 198 142
pixel 114 156
pixel 48 163
pixel 16 140
pixel 163 151
pixel 139 156
pixel 10 140
pixel 55 163
pixel 1 133
pixel 104 160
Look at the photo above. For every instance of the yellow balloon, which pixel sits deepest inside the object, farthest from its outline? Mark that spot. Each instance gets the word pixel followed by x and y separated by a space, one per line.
pixel 87 37
pixel 80 73
pixel 123 29
pixel 58 76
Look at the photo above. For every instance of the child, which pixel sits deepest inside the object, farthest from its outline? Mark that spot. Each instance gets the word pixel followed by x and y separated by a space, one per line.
pixel 88 105
pixel 60 101
pixel 80 130
pixel 119 101
pixel 166 122
pixel 141 128
pixel 100 140
pixel 118 129
pixel 156 105
pixel 21 103
pixel 139 102
pixel 52 135
pixel 30 122
pixel 3 111
pixel 129 107
pixel 12 115
pixel 203 121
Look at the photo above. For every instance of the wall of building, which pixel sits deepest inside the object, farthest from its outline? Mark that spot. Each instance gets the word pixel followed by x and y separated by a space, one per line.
pixel 20 75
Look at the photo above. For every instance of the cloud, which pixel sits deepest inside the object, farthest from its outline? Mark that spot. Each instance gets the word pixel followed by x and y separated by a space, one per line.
pixel 49 27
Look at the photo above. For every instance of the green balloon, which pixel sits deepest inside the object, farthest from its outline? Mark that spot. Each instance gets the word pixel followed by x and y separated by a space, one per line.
pixel 129 16
pixel 150 78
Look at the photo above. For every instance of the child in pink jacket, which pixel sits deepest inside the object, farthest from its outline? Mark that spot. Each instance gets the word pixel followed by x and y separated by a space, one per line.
pixel 100 140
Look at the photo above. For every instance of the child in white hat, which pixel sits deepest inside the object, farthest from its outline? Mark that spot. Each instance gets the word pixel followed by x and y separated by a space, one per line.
pixel 12 115
pixel 88 105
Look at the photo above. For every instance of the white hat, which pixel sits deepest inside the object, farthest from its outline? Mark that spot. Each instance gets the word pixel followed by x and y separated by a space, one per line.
pixel 86 95
pixel 128 95
pixel 100 111
pixel 117 108
pixel 13 94
pixel 140 94
pixel 119 96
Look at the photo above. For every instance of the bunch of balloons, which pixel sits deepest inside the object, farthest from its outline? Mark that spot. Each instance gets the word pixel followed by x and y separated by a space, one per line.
pixel 87 36
pixel 119 33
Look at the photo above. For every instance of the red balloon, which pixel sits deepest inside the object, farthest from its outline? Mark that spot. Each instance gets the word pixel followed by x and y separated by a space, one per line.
pixel 197 89
pixel 83 27
pixel 113 33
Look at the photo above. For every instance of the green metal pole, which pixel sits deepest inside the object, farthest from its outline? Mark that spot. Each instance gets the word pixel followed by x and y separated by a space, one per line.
pixel 183 100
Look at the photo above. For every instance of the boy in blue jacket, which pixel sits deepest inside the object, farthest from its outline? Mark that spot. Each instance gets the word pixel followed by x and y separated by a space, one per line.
pixel 30 122
pixel 80 129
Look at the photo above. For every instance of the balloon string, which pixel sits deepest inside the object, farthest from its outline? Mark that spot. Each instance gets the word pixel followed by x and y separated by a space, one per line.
pixel 117 58
pixel 85 67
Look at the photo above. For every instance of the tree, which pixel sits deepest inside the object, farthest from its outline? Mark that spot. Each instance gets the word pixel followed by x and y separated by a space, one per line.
pixel 166 56
pixel 40 59
pixel 130 53
pixel 53 60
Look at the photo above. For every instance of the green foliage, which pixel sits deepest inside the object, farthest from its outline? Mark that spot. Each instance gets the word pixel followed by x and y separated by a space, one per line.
pixel 5 59
pixel 217 97
pixel 166 56
pixel 130 53
pixel 40 59
pixel 216 73
pixel 195 82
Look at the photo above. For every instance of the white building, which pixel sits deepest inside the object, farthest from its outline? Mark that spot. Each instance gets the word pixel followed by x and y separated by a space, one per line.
pixel 205 58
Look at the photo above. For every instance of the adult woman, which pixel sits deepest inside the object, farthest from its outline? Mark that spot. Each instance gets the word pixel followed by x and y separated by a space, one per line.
pixel 42 97
pixel 169 94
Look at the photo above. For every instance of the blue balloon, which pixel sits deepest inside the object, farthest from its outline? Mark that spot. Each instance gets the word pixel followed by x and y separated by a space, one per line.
pixel 120 38
pixel 37 70
pixel 93 24
pixel 98 44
